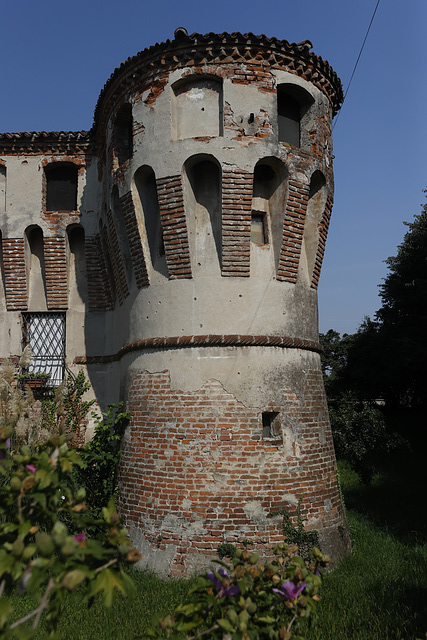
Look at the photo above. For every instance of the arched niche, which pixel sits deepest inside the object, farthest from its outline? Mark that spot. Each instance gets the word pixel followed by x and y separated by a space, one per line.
pixel 36 271
pixel 197 108
pixel 77 275
pixel 293 114
pixel 122 233
pixel 315 208
pixel 147 209
pixel 203 206
pixel 270 190
pixel 123 133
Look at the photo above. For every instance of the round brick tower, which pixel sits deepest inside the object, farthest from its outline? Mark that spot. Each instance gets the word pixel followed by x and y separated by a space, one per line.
pixel 215 159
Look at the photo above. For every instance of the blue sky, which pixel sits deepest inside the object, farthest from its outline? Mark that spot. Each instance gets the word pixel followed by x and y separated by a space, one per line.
pixel 56 57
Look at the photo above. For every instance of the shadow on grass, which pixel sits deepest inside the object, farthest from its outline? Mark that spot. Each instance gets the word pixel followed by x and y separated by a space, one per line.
pixel 395 500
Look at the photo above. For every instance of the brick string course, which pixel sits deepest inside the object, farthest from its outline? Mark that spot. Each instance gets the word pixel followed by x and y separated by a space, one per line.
pixel 200 457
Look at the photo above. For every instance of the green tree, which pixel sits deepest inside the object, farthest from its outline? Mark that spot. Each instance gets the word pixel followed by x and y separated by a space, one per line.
pixel 403 317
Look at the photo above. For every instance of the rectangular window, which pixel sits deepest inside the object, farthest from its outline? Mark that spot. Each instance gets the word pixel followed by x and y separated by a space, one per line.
pixel 271 426
pixel 61 185
pixel 45 333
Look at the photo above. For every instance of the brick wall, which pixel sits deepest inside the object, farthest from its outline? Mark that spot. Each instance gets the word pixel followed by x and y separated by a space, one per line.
pixel 236 222
pixel 99 289
pixel 293 230
pixel 15 279
pixel 56 273
pixel 175 234
pixel 323 233
pixel 136 250
pixel 197 472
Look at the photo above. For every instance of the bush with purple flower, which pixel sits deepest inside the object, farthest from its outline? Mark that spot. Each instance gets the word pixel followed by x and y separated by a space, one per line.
pixel 268 600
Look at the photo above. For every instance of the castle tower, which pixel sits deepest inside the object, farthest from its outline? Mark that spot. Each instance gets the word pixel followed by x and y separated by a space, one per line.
pixel 185 233
pixel 216 156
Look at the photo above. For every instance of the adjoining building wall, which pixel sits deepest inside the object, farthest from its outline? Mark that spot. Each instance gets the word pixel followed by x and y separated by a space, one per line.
pixel 185 256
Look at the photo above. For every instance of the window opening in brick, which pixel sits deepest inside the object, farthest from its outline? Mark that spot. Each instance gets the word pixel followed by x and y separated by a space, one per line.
pixel 45 333
pixel 258 227
pixel 61 187
pixel 293 103
pixel 271 426
pixel 123 134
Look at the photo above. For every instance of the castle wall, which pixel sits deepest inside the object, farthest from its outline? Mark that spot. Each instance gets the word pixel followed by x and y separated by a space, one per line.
pixel 187 269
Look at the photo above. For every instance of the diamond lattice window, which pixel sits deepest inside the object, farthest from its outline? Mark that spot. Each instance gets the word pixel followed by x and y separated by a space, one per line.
pixel 45 333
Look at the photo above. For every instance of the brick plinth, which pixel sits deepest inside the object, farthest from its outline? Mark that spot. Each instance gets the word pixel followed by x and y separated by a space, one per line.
pixel 196 470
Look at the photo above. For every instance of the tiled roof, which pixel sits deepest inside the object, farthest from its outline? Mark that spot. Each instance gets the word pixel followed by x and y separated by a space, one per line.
pixel 39 140
pixel 273 48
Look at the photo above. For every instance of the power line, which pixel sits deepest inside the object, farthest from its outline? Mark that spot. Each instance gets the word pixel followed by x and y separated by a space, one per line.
pixel 357 61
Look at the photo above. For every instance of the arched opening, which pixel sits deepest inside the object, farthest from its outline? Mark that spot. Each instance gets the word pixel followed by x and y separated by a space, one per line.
pixel 203 205
pixel 123 134
pixel 268 205
pixel 315 208
pixel 36 270
pixel 146 187
pixel 293 105
pixel 197 108
pixel 77 277
pixel 61 186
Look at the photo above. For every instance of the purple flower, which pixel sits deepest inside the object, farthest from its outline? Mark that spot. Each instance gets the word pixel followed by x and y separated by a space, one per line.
pixel 80 537
pixel 232 590
pixel 214 579
pixel 31 468
pixel 8 443
pixel 289 590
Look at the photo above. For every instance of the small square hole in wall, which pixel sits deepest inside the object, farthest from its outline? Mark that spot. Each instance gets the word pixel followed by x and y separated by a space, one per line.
pixel 271 426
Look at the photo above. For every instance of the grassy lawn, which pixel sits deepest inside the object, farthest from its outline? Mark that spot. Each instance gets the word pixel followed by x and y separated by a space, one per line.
pixel 379 592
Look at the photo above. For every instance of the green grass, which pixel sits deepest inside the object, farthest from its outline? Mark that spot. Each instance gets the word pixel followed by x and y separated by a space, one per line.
pixel 379 592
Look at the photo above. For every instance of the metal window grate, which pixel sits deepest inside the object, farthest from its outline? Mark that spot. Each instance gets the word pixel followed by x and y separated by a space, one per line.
pixel 45 333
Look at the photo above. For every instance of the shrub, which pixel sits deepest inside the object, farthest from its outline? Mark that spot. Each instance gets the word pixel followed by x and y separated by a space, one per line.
pixel 100 458
pixel 297 535
pixel 272 600
pixel 360 434
pixel 39 554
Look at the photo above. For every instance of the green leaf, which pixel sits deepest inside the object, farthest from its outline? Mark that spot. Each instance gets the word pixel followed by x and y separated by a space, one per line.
pixel 6 610
pixel 225 624
pixel 73 579
pixel 106 582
